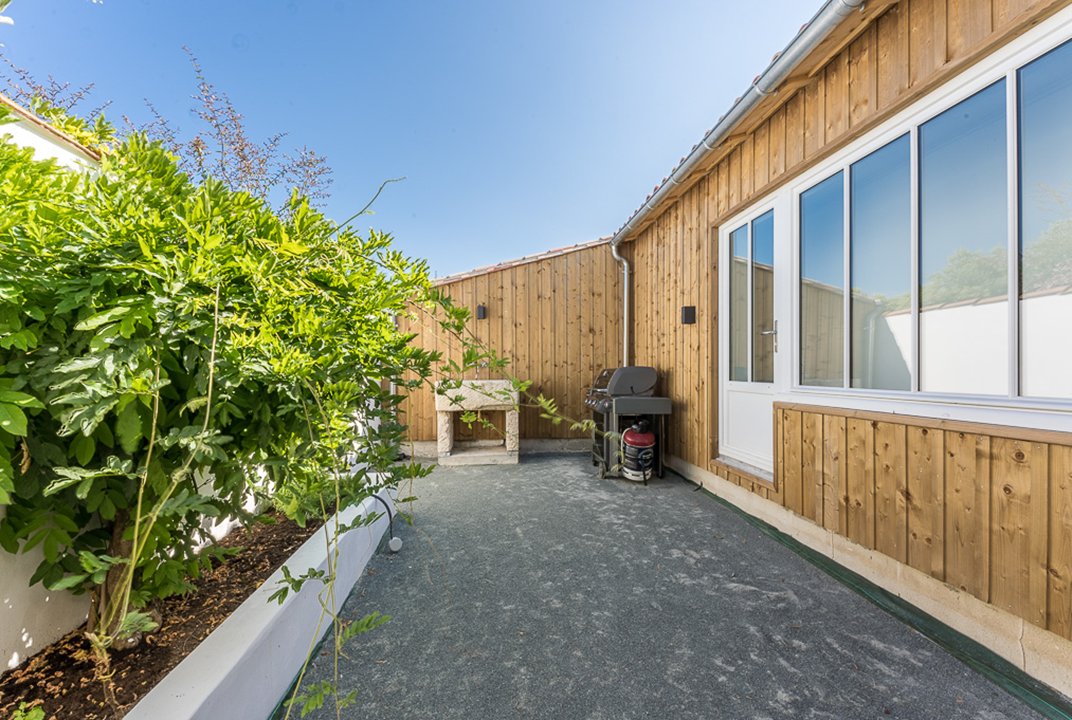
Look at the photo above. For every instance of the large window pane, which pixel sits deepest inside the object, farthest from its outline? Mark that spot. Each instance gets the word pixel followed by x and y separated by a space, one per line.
pixel 822 283
pixel 963 248
pixel 1046 225
pixel 739 304
pixel 763 298
pixel 881 268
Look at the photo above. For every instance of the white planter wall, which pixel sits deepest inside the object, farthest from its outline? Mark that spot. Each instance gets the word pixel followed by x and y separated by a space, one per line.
pixel 246 666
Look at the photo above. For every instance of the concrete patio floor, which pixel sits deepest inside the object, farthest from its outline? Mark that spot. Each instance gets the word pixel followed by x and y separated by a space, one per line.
pixel 538 591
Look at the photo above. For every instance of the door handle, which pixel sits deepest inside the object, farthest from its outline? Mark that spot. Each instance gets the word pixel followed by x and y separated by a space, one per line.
pixel 774 332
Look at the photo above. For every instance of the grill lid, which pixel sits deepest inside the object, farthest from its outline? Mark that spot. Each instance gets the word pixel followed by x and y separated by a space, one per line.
pixel 634 380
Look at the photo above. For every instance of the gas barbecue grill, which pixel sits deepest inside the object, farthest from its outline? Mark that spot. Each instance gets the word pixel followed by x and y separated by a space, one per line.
pixel 618 398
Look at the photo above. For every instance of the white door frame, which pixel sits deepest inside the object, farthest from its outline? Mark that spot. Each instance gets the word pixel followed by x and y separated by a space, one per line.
pixel 745 408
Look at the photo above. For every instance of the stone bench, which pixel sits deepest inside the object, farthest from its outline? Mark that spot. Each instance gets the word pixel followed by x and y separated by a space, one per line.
pixel 477 395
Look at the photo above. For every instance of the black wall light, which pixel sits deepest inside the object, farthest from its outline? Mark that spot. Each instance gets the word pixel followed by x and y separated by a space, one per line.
pixel 481 312
pixel 688 315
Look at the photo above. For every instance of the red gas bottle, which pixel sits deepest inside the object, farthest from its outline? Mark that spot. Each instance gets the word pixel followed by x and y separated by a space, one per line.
pixel 638 452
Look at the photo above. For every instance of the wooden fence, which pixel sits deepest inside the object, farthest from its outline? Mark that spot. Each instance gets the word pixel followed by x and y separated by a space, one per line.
pixel 557 317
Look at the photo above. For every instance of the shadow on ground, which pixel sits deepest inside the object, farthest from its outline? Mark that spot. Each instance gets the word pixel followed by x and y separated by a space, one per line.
pixel 538 591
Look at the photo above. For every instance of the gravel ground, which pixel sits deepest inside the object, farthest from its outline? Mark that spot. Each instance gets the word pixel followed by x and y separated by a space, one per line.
pixel 538 591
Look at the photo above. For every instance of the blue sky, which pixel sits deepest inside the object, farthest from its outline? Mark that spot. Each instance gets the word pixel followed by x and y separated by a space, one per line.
pixel 520 126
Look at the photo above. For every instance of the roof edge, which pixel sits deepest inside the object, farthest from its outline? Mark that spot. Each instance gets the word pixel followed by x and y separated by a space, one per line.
pixel 829 16
pixel 72 144
pixel 525 260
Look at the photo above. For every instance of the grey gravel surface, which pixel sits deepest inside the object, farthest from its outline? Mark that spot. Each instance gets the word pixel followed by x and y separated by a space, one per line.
pixel 539 591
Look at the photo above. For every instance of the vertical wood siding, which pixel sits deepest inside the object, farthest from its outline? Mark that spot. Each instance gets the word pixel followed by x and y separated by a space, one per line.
pixel 985 509
pixel 558 319
pixel 908 49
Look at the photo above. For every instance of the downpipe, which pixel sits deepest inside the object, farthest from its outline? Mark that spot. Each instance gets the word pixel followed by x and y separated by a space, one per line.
pixel 626 316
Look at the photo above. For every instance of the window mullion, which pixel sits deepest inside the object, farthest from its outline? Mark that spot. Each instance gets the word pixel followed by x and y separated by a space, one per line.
pixel 1013 173
pixel 750 318
pixel 846 301
pixel 914 384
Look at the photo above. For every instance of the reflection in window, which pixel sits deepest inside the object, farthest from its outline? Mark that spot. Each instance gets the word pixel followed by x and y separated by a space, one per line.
pixel 963 247
pixel 822 283
pixel 1046 224
pixel 763 297
pixel 739 304
pixel 881 268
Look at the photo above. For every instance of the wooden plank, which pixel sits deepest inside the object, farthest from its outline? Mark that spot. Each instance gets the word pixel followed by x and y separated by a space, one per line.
pixel 761 157
pixel 602 275
pixel 968 23
pixel 863 84
pixel 1060 554
pixel 578 339
pixel 497 314
pixel 700 279
pixel 748 177
pixel 526 310
pixel 834 472
pixel 723 194
pixel 860 482
pixel 794 131
pixel 836 84
pixel 967 486
pixel 781 443
pixel 814 117
pixel 893 53
pixel 777 139
pixel 926 501
pixel 517 368
pixel 1008 12
pixel 926 39
pixel 1018 528
pixel 791 457
pixel 812 467
pixel 891 513
pixel 558 335
pixel 734 172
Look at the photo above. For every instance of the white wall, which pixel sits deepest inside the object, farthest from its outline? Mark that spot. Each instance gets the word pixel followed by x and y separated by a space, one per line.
pixel 978 332
pixel 33 617
pixel 46 145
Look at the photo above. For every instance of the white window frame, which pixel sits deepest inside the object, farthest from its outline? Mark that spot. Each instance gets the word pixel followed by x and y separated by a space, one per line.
pixel 1008 409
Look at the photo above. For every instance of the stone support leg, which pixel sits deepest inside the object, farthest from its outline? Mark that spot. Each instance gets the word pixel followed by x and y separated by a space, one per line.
pixel 512 434
pixel 444 433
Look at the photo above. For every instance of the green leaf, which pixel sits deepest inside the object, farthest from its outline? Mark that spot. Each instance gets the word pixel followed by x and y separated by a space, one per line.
pixel 7 478
pixel 83 448
pixel 69 582
pixel 12 419
pixel 102 318
pixel 20 399
pixel 128 428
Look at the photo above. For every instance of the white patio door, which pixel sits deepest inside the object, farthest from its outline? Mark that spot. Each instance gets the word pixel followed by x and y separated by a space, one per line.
pixel 747 338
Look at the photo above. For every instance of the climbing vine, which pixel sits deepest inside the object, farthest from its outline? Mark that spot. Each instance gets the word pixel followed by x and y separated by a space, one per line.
pixel 175 352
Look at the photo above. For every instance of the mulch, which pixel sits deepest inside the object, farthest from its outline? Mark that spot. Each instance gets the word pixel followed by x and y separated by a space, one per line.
pixel 60 677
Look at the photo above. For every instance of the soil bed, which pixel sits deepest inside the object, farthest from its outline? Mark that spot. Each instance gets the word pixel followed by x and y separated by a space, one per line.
pixel 60 677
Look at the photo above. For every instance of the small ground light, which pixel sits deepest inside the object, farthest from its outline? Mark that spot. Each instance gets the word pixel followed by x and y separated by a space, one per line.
pixel 395 543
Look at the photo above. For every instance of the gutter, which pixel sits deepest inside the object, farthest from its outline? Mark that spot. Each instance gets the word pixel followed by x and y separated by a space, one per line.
pixel 809 37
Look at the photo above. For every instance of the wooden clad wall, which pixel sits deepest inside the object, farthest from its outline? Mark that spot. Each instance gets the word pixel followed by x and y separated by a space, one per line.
pixel 988 510
pixel 558 319
pixel 901 51
pixel 985 509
